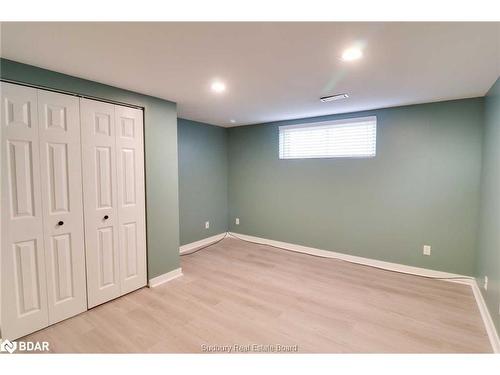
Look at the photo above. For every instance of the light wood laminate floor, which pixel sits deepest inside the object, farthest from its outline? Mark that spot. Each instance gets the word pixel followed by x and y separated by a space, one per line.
pixel 237 293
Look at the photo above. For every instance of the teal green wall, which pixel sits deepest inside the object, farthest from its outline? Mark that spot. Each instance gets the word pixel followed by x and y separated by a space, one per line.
pixel 421 188
pixel 489 227
pixel 162 204
pixel 202 180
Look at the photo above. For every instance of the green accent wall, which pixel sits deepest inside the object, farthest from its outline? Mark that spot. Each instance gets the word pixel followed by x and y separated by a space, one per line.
pixel 160 125
pixel 422 188
pixel 489 227
pixel 202 180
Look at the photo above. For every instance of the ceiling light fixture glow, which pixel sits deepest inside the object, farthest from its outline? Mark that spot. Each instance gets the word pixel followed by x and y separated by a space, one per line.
pixel 352 54
pixel 332 98
pixel 218 87
pixel 232 121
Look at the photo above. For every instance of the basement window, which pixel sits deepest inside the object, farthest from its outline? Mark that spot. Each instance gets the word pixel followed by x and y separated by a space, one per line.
pixel 348 138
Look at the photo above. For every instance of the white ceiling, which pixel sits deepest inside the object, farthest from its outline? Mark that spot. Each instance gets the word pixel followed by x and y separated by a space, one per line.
pixel 273 71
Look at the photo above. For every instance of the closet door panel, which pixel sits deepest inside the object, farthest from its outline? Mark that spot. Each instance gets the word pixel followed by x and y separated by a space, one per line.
pixel 61 180
pixel 131 197
pixel 24 298
pixel 100 201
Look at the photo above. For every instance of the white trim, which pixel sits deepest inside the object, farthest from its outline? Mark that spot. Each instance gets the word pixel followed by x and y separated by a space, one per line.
pixel 162 279
pixel 204 242
pixel 343 121
pixel 485 314
pixel 355 259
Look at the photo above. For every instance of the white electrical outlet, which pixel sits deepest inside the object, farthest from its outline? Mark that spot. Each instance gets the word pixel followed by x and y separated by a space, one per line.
pixel 237 221
pixel 427 250
pixel 485 285
pixel 207 224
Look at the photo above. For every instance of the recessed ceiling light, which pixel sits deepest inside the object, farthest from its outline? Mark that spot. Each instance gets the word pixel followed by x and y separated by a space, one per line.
pixel 352 54
pixel 232 121
pixel 218 87
pixel 331 98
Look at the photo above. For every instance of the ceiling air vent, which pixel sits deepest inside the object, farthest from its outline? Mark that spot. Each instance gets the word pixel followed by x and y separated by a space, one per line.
pixel 332 98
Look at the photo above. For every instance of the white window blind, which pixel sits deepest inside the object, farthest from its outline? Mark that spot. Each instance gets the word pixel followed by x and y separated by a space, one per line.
pixel 349 138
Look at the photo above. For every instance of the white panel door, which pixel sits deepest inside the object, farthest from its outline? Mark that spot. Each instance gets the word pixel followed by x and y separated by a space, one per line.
pixel 24 299
pixel 131 198
pixel 61 182
pixel 100 201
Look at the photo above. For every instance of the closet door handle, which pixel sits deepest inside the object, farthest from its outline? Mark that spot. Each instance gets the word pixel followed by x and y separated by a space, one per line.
pixel 106 217
pixel 60 223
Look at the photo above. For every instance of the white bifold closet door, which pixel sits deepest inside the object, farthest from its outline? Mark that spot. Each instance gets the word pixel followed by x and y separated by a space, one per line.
pixel 131 198
pixel 42 254
pixel 24 292
pixel 61 182
pixel 113 175
pixel 73 231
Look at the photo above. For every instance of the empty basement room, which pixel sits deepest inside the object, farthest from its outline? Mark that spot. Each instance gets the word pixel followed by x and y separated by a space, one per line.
pixel 250 188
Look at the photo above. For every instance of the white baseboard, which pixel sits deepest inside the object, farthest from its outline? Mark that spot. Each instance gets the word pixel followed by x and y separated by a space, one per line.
pixel 204 242
pixel 485 314
pixel 162 279
pixel 355 259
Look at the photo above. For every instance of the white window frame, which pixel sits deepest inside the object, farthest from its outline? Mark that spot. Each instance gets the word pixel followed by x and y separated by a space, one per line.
pixel 331 123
